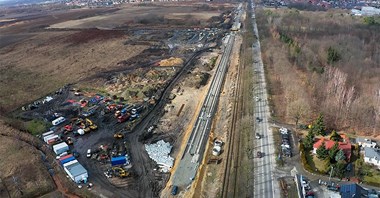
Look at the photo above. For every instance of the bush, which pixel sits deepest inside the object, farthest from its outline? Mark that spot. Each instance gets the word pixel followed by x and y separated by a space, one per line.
pixel 304 161
pixel 36 127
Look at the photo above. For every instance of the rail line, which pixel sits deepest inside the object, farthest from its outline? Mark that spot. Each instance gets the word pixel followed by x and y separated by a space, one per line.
pixel 233 144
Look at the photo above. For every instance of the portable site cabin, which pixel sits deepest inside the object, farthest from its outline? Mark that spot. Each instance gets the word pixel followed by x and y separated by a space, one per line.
pixel 60 148
pixel 48 137
pixel 58 121
pixel 47 133
pixel 76 171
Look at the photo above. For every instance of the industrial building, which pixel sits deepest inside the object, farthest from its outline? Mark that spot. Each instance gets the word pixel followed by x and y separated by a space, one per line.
pixel 76 171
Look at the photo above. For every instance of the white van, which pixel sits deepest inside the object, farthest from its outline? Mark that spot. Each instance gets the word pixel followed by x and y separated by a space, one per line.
pixel 58 121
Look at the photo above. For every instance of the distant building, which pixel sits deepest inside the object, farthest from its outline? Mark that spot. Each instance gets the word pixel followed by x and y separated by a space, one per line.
pixel 369 11
pixel 345 145
pixel 366 11
pixel 364 142
pixel 372 156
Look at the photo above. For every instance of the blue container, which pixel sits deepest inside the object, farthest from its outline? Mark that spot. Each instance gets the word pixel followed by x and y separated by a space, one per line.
pixel 118 160
pixel 67 160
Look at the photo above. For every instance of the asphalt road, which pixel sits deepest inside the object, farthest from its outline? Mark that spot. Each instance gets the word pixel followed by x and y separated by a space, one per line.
pixel 194 151
pixel 264 183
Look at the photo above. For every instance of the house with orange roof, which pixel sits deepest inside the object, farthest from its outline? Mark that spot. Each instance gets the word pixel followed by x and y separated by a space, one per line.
pixel 344 145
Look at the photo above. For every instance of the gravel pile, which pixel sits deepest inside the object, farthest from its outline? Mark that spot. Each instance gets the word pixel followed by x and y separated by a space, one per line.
pixel 159 152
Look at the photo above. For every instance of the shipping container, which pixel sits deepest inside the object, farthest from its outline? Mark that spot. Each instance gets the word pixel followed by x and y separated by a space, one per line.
pixel 64 161
pixel 65 157
pixel 118 160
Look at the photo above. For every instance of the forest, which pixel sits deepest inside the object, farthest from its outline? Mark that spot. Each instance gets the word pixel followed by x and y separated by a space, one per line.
pixel 323 63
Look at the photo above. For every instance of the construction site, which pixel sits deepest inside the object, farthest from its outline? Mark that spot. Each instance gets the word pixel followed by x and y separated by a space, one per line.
pixel 111 98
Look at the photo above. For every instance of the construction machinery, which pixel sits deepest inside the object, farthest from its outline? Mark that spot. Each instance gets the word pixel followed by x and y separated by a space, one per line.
pixel 118 135
pixel 68 128
pixel 91 125
pixel 120 172
pixel 69 141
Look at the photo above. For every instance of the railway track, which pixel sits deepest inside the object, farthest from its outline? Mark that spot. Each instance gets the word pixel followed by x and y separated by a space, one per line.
pixel 233 143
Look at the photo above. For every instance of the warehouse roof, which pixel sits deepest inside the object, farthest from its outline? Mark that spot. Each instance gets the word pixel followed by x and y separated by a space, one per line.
pixel 75 168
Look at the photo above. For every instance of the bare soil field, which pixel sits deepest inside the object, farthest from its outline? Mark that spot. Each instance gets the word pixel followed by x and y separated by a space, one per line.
pixel 314 68
pixel 47 61
pixel 129 15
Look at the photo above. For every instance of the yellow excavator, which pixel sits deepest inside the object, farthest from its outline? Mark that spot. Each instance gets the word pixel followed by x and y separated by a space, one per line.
pixel 120 172
pixel 91 125
pixel 118 135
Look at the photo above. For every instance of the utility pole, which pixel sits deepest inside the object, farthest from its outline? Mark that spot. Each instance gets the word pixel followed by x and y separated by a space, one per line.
pixel 331 172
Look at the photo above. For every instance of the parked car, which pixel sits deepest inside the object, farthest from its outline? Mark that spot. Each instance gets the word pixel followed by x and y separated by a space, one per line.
pixel 259 154
pixel 216 150
pixel 284 136
pixel 174 190
pixel 258 136
pixel 333 188
pixel 218 143
pixel 89 153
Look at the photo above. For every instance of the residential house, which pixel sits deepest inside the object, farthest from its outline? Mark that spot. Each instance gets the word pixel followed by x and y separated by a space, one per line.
pixel 372 156
pixel 364 142
pixel 345 145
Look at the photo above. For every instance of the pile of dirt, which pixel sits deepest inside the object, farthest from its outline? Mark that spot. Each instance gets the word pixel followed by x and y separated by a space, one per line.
pixel 139 84
pixel 171 62
pixel 197 79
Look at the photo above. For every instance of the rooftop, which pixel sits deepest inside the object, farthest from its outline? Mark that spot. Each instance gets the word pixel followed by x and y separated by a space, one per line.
pixel 364 140
pixel 345 145
pixel 352 191
pixel 371 153
pixel 76 169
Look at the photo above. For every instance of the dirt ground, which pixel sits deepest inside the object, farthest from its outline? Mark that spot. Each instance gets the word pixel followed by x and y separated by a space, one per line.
pixel 52 59
pixel 38 61
pixel 17 181
pixel 129 14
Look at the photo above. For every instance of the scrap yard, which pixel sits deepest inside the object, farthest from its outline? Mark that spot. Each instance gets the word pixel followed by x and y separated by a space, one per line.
pixel 112 99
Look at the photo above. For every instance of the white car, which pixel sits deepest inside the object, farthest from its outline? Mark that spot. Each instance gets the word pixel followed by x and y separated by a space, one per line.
pixel 218 143
pixel 88 153
pixel 216 150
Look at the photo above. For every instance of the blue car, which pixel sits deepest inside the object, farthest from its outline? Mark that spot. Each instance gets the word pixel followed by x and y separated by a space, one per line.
pixel 174 190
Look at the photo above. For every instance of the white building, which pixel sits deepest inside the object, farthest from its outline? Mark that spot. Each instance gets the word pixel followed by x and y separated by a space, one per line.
pixel 76 171
pixel 372 156
pixel 364 142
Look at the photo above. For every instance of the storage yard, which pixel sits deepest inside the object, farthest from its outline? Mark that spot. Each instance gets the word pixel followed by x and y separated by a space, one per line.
pixel 115 120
